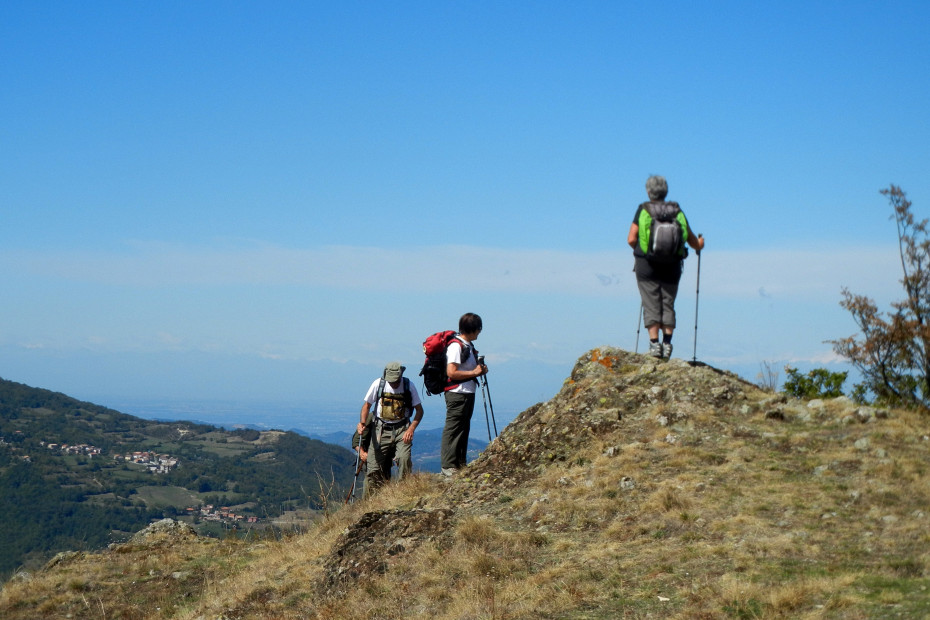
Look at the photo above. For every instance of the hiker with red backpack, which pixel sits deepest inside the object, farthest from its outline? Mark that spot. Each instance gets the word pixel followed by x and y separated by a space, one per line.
pixel 462 371
pixel 390 414
pixel 658 236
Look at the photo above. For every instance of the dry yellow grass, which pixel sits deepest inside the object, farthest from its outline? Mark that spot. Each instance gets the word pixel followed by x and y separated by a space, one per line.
pixel 724 512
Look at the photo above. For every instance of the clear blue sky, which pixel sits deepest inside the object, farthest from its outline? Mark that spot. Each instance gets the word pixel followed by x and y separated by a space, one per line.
pixel 216 200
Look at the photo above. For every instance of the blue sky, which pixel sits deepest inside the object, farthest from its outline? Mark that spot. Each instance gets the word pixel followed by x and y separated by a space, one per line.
pixel 266 202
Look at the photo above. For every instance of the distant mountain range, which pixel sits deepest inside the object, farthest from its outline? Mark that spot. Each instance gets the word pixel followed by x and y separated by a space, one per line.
pixel 74 475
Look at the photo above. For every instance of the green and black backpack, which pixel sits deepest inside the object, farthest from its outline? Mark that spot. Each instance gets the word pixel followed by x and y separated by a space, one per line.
pixel 667 230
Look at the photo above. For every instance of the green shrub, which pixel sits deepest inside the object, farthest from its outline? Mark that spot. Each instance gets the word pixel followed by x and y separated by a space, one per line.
pixel 818 383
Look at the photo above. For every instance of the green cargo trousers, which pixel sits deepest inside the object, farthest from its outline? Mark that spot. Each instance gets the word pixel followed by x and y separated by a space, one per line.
pixel 387 444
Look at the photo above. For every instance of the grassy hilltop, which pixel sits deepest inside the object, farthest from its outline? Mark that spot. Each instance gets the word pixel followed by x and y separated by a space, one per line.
pixel 643 489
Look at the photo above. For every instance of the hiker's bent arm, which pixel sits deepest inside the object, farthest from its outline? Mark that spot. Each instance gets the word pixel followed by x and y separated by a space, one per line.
pixel 696 241
pixel 633 237
pixel 364 417
pixel 464 375
pixel 408 434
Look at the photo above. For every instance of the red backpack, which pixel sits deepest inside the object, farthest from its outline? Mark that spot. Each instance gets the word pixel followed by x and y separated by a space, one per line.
pixel 435 379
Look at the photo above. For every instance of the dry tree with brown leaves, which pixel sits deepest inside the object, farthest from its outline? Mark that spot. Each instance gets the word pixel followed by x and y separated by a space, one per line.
pixel 892 350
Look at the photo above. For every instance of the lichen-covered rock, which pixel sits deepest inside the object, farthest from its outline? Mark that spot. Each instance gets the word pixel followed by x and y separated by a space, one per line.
pixel 609 391
pixel 63 558
pixel 165 528
pixel 375 543
pixel 163 532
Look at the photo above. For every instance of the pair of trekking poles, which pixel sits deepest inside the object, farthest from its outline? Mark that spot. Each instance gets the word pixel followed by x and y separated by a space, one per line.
pixel 486 399
pixel 697 293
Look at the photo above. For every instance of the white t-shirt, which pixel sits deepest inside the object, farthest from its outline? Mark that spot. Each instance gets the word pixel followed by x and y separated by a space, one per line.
pixel 454 356
pixel 372 394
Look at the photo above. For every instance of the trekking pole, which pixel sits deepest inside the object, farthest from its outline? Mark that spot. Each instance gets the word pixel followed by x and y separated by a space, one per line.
pixel 697 293
pixel 639 324
pixel 359 463
pixel 486 396
pixel 484 399
pixel 490 404
pixel 358 468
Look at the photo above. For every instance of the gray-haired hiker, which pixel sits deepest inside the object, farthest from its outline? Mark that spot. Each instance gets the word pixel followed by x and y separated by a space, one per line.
pixel 658 236
pixel 393 399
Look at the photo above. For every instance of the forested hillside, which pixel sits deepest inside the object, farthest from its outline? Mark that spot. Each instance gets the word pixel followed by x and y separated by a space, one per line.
pixel 74 475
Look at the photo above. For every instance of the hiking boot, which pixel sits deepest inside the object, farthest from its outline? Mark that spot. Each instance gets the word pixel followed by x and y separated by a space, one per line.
pixel 667 350
pixel 447 471
pixel 655 349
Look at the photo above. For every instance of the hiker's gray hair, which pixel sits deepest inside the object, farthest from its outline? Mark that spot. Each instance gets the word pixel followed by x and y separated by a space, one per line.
pixel 656 187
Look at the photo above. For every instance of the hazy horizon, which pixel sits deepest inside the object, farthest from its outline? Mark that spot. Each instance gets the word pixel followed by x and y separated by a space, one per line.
pixel 270 202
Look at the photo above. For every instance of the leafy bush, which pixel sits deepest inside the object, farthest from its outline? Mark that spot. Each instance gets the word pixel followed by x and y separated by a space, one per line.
pixel 818 383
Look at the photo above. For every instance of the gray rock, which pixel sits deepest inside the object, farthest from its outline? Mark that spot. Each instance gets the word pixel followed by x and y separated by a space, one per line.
pixel 167 527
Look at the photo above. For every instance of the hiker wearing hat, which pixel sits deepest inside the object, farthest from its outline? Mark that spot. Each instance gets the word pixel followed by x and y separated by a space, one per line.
pixel 389 403
pixel 658 236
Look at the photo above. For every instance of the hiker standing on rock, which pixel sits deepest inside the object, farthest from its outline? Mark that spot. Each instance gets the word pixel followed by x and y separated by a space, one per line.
pixel 393 399
pixel 658 236
pixel 463 370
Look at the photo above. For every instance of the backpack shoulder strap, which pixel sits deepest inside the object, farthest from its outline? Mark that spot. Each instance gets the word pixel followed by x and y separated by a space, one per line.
pixel 380 394
pixel 466 351
pixel 662 209
pixel 468 348
pixel 408 396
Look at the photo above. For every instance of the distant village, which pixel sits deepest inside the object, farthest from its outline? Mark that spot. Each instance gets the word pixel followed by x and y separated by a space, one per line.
pixel 154 462
pixel 82 448
pixel 208 512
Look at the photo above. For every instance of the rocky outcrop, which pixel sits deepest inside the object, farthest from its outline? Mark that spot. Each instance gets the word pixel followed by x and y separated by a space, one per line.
pixel 609 390
pixel 378 541
pixel 163 532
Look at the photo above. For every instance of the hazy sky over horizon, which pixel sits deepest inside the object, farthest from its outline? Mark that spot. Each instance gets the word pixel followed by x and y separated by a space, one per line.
pixel 288 183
